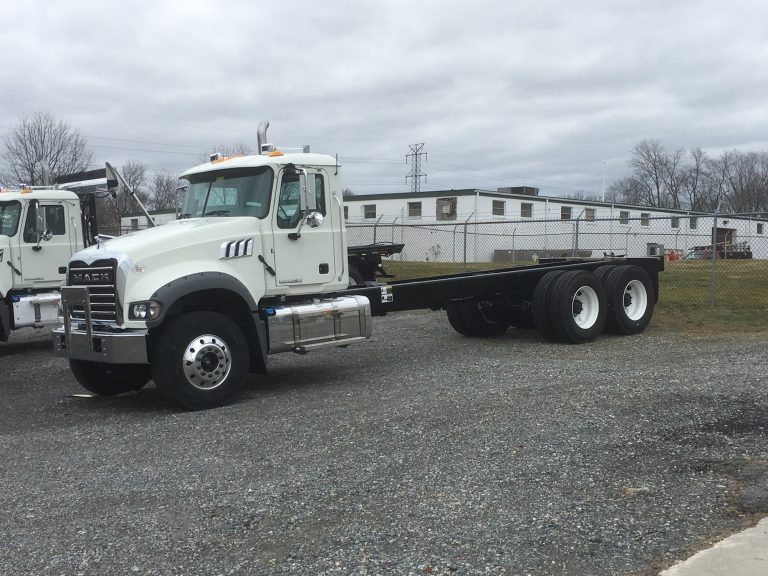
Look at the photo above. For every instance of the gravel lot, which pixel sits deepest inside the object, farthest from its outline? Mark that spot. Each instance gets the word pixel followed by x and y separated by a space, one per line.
pixel 418 452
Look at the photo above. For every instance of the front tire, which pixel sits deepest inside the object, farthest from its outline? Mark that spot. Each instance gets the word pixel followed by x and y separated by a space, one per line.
pixel 109 379
pixel 200 360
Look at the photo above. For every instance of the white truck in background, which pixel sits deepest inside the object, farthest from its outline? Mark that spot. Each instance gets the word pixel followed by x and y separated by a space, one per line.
pixel 40 229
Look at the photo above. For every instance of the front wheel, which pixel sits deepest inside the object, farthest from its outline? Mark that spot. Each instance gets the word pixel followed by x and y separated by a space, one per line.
pixel 109 379
pixel 200 360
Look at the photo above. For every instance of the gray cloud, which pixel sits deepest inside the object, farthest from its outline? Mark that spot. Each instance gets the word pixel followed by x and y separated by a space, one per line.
pixel 532 92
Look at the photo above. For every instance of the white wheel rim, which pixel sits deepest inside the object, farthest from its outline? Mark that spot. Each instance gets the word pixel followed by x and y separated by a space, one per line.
pixel 635 300
pixel 206 362
pixel 586 307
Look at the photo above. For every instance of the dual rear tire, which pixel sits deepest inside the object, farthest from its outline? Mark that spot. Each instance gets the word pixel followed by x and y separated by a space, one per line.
pixel 569 306
pixel 576 306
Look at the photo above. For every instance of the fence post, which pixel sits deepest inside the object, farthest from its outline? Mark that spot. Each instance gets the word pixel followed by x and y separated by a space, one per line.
pixel 513 244
pixel 393 229
pixel 713 280
pixel 466 223
pixel 375 226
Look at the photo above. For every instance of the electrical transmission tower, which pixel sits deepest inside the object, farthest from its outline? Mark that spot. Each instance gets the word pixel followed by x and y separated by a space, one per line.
pixel 415 154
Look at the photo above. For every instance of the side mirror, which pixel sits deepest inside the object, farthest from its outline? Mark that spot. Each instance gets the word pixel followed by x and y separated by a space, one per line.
pixel 40 231
pixel 308 198
pixel 314 219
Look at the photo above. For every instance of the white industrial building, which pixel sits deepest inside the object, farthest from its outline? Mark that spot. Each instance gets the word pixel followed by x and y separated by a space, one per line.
pixel 515 223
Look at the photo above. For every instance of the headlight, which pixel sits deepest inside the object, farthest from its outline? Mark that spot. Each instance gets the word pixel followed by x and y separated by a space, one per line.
pixel 148 310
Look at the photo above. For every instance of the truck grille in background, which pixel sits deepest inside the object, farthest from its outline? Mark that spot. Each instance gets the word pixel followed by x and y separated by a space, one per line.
pixel 100 278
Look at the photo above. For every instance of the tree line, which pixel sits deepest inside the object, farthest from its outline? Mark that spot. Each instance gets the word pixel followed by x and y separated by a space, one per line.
pixel 735 181
pixel 40 147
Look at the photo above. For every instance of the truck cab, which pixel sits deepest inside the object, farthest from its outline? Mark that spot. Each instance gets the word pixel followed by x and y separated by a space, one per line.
pixel 39 232
pixel 272 197
pixel 255 265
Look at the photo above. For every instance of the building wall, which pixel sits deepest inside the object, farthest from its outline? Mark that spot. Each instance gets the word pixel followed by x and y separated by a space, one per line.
pixel 544 227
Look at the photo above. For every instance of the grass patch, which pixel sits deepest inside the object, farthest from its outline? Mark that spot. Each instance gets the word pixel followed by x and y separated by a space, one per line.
pixel 741 297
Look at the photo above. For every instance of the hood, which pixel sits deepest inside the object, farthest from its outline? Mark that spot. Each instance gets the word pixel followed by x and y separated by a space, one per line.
pixel 180 239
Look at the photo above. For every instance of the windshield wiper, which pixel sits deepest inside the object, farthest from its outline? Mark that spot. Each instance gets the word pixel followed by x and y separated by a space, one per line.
pixel 217 213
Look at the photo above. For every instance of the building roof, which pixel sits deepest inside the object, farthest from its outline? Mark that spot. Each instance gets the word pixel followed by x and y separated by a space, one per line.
pixel 505 195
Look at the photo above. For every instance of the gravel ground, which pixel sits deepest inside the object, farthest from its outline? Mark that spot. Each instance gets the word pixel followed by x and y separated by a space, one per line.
pixel 418 452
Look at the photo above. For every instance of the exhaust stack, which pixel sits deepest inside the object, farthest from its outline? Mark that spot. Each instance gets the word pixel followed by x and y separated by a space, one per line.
pixel 261 135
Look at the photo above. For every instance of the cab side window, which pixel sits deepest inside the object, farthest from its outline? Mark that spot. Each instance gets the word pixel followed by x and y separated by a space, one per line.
pixel 289 202
pixel 53 221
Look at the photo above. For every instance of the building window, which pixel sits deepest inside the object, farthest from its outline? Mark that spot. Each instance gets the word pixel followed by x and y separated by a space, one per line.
pixel 414 209
pixel 694 222
pixel 526 210
pixel 645 219
pixel 446 208
pixel 497 208
pixel 674 222
pixel 589 213
pixel 346 212
pixel 134 223
pixel 759 228
pixel 369 210
pixel 565 212
pixel 623 217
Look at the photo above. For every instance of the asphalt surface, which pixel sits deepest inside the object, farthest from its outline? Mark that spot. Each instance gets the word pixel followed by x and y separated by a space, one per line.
pixel 418 452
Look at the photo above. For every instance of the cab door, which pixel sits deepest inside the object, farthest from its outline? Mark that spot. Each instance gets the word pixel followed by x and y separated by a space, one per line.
pixel 43 262
pixel 303 255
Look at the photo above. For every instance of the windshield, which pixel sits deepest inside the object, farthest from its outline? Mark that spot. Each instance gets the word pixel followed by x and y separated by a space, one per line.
pixel 9 218
pixel 235 192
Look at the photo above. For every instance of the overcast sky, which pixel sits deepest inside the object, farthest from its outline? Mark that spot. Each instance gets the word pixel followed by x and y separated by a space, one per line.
pixel 501 93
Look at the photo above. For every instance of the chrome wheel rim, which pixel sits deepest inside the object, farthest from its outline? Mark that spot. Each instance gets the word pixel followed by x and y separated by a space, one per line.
pixel 207 362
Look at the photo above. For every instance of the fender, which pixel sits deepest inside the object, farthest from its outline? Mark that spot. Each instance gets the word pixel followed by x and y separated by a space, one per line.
pixel 168 294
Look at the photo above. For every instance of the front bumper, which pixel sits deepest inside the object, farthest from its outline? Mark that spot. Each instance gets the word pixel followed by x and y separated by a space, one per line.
pixel 127 347
pixel 79 339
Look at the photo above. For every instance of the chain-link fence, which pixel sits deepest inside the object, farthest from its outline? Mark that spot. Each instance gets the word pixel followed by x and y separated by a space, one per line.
pixel 710 259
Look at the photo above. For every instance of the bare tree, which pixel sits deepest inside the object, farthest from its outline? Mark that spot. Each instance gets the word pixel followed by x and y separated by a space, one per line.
pixel 626 191
pixel 744 181
pixel 673 175
pixel 696 180
pixel 648 167
pixel 347 192
pixel 581 195
pixel 43 138
pixel 163 190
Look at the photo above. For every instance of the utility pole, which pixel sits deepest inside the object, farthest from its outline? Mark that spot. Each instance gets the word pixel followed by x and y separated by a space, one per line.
pixel 415 154
pixel 603 180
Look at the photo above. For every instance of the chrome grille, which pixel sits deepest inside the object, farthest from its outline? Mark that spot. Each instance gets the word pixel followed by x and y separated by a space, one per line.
pixel 99 277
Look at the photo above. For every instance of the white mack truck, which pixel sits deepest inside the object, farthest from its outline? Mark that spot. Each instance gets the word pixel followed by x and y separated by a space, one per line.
pixel 40 229
pixel 257 265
